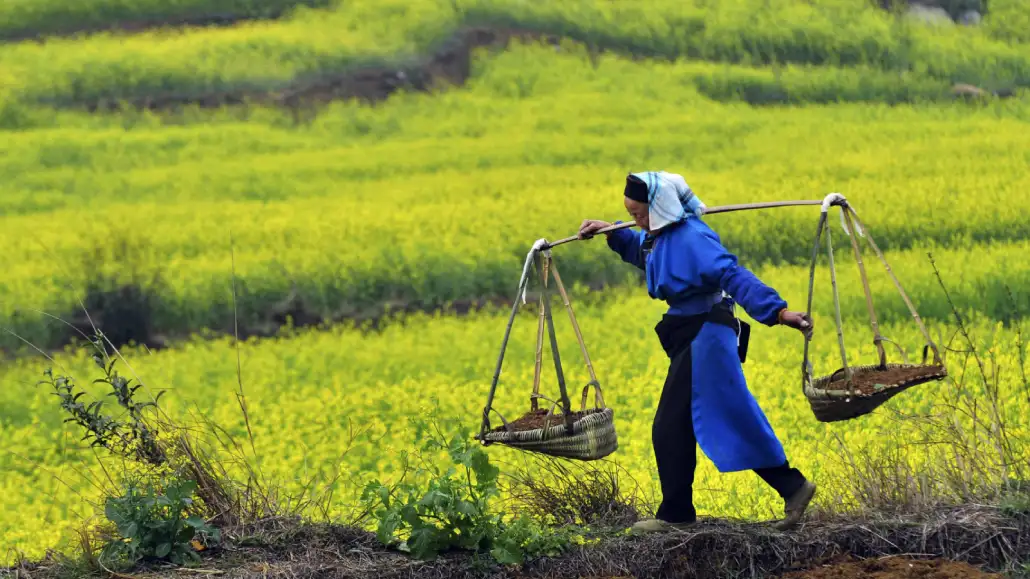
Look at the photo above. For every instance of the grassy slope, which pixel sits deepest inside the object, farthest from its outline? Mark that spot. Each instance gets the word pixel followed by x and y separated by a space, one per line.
pixel 469 176
pixel 304 393
pixel 268 56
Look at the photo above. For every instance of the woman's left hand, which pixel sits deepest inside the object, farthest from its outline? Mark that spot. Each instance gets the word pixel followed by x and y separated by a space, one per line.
pixel 798 321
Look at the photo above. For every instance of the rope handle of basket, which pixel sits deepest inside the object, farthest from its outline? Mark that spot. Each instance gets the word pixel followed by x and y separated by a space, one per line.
pixel 897 284
pixel 520 295
pixel 549 266
pixel 553 338
pixel 545 321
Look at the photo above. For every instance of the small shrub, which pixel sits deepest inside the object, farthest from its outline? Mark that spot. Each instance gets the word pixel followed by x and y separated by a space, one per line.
pixel 156 522
pixel 133 438
pixel 451 509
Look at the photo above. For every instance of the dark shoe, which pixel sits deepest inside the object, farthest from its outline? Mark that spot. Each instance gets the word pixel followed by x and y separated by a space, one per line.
pixel 796 505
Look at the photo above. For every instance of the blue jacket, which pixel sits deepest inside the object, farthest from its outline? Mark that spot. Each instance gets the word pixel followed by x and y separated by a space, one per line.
pixel 688 268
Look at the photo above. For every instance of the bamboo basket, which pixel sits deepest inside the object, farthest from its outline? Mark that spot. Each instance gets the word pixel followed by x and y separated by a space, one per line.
pixel 861 389
pixel 588 434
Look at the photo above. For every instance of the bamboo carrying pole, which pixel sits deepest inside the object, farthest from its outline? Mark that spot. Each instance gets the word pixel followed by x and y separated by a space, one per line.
pixel 708 211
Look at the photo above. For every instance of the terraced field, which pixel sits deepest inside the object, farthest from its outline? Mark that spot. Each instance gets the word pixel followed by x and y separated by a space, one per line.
pixel 434 196
pixel 257 60
pixel 176 193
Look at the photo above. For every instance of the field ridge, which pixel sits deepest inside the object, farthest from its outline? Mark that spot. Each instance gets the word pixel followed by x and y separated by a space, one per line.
pixel 963 539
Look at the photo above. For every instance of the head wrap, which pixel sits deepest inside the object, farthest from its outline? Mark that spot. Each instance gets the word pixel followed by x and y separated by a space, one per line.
pixel 668 197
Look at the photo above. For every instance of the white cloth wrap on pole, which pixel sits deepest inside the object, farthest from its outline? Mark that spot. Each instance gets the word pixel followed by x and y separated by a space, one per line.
pixel 537 246
pixel 835 199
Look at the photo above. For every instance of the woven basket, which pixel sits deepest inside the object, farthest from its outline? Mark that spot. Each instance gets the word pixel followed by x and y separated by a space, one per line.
pixel 592 437
pixel 838 405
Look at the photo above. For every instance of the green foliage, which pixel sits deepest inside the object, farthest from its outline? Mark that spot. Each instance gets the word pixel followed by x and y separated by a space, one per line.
pixel 131 437
pixel 451 508
pixel 156 521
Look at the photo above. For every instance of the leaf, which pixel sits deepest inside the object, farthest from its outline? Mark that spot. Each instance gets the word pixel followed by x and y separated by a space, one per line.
pixel 111 512
pixel 163 549
pixel 195 522
pixel 422 543
pixel 507 555
pixel 387 527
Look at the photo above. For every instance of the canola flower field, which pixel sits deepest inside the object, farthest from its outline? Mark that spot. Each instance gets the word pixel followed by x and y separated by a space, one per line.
pixel 268 56
pixel 307 206
pixel 306 393
pixel 437 197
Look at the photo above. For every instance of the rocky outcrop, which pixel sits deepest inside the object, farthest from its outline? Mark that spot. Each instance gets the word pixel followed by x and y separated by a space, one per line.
pixel 939 12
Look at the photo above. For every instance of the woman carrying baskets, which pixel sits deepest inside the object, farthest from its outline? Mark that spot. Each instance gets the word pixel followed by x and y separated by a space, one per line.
pixel 705 400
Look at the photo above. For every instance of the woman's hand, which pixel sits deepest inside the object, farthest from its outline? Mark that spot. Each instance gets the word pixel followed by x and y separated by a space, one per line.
pixel 798 321
pixel 590 227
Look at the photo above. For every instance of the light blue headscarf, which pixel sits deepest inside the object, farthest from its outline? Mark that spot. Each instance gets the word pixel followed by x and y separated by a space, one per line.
pixel 670 200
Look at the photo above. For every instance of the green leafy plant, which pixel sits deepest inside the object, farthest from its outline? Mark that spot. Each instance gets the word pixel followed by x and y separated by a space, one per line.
pixel 133 437
pixel 156 523
pixel 451 508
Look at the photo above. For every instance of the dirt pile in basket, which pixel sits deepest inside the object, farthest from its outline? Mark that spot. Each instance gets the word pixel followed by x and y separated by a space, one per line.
pixel 535 419
pixel 865 380
pixel 893 568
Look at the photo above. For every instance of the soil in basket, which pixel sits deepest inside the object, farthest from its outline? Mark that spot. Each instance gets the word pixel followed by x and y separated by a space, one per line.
pixel 893 568
pixel 533 420
pixel 864 381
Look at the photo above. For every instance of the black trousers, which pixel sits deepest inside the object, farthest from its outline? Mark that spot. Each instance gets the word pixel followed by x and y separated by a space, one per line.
pixel 672 434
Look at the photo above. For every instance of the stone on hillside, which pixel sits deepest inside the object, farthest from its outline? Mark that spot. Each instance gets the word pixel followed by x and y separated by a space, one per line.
pixel 969 18
pixel 967 91
pixel 930 14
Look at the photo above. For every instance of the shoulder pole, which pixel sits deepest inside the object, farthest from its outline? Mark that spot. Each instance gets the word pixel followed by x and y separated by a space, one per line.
pixel 710 210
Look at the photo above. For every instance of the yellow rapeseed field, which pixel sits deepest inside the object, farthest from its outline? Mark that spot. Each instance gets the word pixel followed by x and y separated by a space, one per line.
pixel 342 209
pixel 261 56
pixel 305 395
pixel 437 197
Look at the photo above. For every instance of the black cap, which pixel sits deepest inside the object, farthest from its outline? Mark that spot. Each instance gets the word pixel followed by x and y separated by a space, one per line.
pixel 636 189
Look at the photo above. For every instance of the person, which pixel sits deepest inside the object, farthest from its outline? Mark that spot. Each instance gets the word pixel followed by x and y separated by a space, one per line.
pixel 705 400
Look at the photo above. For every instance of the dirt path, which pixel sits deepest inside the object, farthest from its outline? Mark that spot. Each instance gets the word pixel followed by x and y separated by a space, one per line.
pixel 893 568
pixel 450 64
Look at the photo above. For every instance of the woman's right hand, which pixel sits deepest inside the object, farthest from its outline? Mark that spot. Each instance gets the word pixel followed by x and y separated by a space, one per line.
pixel 590 227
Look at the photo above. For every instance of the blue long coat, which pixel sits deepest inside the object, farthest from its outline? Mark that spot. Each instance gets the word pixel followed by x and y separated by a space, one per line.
pixel 689 269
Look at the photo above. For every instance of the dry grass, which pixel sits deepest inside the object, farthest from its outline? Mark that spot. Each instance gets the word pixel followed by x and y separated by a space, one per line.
pixel 967 450
pixel 573 493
